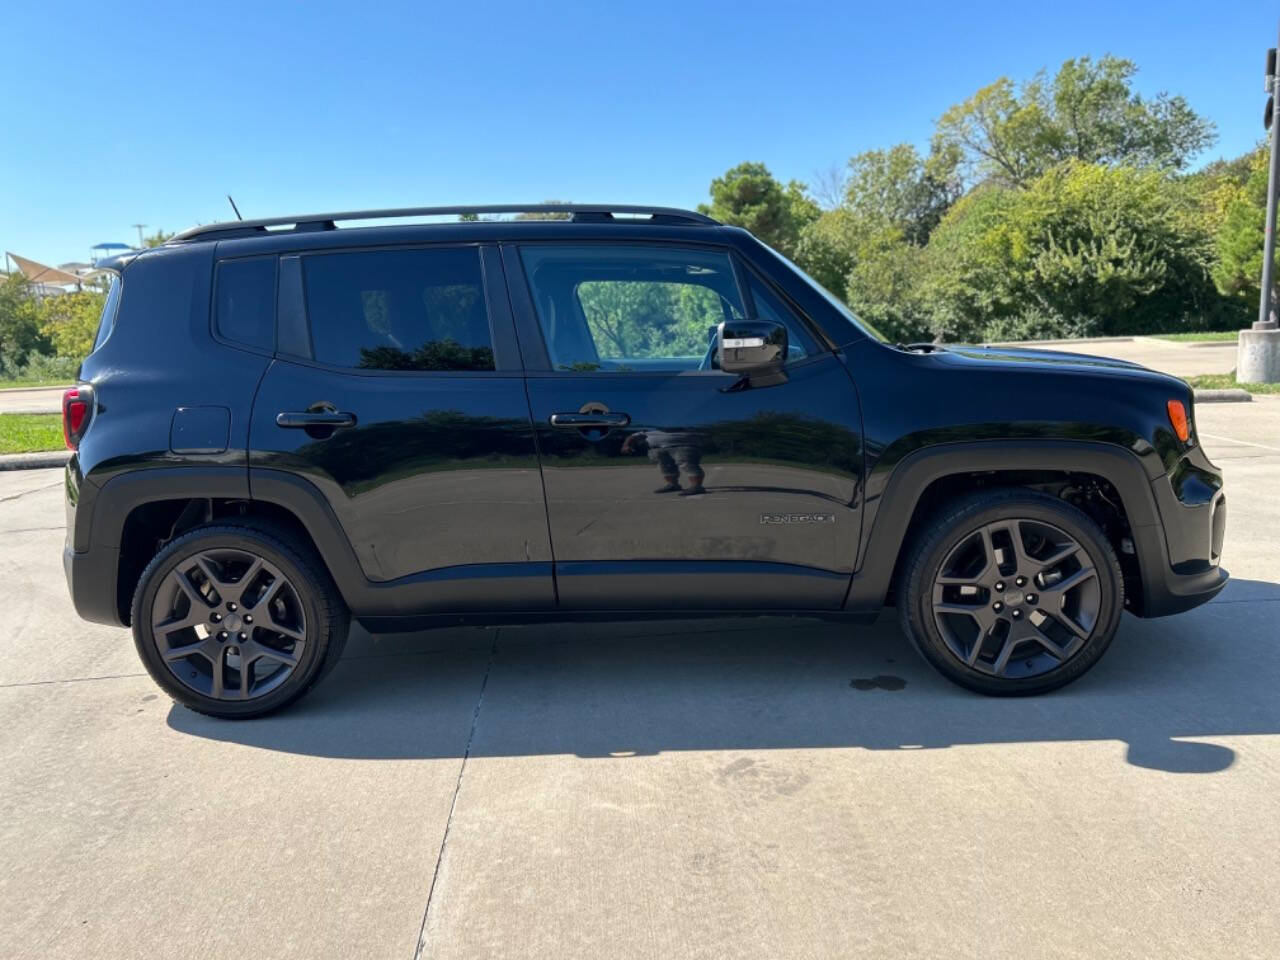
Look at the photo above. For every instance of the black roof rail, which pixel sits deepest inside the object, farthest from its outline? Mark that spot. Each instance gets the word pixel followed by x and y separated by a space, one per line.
pixel 579 212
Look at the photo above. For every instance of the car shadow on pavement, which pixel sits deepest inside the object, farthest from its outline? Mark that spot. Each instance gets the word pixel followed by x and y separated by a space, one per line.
pixel 616 691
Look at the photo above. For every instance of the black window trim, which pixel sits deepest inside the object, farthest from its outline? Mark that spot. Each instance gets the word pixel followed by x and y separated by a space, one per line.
pixel 505 364
pixel 213 306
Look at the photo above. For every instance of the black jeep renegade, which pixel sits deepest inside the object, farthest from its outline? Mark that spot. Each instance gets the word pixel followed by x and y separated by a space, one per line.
pixel 594 412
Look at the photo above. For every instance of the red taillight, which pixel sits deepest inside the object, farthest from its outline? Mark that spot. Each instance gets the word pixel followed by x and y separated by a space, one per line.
pixel 74 412
pixel 1178 420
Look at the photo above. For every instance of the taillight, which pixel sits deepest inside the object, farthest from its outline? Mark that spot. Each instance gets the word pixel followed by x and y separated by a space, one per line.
pixel 75 411
pixel 1178 420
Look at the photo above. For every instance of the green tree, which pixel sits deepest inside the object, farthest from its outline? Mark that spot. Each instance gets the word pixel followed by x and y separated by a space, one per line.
pixel 70 322
pixel 899 189
pixel 20 333
pixel 749 196
pixel 1087 112
pixel 1084 249
pixel 884 285
pixel 1240 235
pixel 157 238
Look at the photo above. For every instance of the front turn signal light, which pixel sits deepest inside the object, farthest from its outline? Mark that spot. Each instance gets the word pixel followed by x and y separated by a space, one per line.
pixel 1178 420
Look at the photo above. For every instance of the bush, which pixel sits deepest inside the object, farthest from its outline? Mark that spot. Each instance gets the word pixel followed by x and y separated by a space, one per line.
pixel 40 366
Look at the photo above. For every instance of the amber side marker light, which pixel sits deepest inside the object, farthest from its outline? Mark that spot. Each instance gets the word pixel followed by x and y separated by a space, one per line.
pixel 1178 419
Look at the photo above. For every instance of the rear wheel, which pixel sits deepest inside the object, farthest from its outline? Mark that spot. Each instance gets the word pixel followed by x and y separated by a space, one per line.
pixel 236 621
pixel 1011 592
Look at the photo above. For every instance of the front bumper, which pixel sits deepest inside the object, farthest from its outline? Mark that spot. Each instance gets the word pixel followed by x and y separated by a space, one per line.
pixel 1192 510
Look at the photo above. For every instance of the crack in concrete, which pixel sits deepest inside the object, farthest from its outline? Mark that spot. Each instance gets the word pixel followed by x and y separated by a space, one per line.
pixel 457 787
pixel 39 683
pixel 24 493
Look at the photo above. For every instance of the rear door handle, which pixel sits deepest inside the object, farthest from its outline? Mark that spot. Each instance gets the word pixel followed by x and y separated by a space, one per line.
pixel 579 421
pixel 304 419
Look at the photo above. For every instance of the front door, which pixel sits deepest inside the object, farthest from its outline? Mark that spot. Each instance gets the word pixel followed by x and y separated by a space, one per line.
pixel 397 394
pixel 667 487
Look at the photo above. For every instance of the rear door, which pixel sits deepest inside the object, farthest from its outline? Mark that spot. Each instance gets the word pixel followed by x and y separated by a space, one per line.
pixel 396 393
pixel 667 485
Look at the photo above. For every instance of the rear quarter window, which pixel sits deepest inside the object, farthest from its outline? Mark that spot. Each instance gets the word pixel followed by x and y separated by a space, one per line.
pixel 245 301
pixel 109 307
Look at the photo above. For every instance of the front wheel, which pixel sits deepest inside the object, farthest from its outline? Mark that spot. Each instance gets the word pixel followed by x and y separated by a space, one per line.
pixel 235 621
pixel 1012 592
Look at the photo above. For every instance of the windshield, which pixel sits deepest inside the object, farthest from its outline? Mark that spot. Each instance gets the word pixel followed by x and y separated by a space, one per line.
pixel 831 298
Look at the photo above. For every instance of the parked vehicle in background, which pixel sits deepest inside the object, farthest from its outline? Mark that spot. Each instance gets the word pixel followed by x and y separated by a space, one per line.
pixel 286 424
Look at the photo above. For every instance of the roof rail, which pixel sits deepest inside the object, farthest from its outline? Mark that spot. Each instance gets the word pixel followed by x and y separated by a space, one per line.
pixel 580 212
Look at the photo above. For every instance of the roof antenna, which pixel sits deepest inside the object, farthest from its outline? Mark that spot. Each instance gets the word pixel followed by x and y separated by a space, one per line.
pixel 234 207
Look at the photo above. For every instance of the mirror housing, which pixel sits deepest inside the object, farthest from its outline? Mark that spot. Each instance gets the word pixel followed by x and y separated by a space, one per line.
pixel 755 349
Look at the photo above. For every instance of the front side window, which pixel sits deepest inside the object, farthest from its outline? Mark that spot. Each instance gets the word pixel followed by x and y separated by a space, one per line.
pixel 628 309
pixel 399 310
pixel 245 309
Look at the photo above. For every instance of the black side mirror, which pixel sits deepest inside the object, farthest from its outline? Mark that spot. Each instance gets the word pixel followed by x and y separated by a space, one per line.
pixel 755 349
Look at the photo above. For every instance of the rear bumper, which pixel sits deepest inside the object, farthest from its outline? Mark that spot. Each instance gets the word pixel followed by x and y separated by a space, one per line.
pixel 91 579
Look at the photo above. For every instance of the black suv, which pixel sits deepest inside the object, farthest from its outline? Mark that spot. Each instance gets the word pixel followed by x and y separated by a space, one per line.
pixel 594 413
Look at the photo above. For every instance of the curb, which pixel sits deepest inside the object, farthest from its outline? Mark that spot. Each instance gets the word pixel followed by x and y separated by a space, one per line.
pixel 1223 396
pixel 37 387
pixel 34 461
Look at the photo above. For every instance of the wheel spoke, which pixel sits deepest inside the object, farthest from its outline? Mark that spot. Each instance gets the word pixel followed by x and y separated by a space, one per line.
pixel 272 589
pixel 219 665
pixel 246 676
pixel 1002 659
pixel 1060 617
pixel 275 626
pixel 258 651
pixel 1049 562
pixel 193 618
pixel 235 591
pixel 1060 589
pixel 207 569
pixel 185 650
pixel 198 602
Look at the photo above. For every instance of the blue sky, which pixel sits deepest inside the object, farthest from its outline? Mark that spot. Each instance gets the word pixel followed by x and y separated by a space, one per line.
pixel 152 113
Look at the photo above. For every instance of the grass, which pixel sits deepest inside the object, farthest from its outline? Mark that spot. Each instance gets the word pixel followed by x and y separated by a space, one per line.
pixel 30 432
pixel 1227 381
pixel 1205 336
pixel 24 382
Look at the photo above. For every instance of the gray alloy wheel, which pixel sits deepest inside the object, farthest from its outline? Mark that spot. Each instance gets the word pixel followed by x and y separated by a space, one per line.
pixel 229 624
pixel 238 619
pixel 1016 598
pixel 1011 592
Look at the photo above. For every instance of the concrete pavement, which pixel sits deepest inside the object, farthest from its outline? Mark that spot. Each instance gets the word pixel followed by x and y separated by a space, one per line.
pixel 748 788
pixel 31 400
pixel 1176 357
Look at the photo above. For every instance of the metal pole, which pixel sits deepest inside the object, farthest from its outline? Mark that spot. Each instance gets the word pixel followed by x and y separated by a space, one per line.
pixel 1265 320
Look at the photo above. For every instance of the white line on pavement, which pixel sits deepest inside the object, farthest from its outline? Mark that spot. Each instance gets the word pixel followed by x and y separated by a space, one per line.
pixel 1261 446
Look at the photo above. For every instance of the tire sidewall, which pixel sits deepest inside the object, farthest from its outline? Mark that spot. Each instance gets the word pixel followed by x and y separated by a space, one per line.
pixel 319 627
pixel 919 620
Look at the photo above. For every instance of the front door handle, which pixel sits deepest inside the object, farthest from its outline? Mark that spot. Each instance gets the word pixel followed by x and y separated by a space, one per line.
pixel 583 421
pixel 307 418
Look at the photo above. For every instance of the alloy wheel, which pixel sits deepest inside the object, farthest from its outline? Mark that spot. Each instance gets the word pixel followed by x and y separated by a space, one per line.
pixel 229 624
pixel 1016 598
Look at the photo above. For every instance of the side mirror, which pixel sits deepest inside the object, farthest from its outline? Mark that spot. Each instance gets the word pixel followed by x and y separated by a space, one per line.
pixel 755 349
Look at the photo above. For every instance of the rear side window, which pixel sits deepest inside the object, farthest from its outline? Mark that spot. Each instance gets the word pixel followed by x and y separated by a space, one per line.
pixel 399 309
pixel 245 301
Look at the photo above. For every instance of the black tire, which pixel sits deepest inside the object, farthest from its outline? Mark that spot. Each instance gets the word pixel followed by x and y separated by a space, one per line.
pixel 928 595
pixel 314 607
